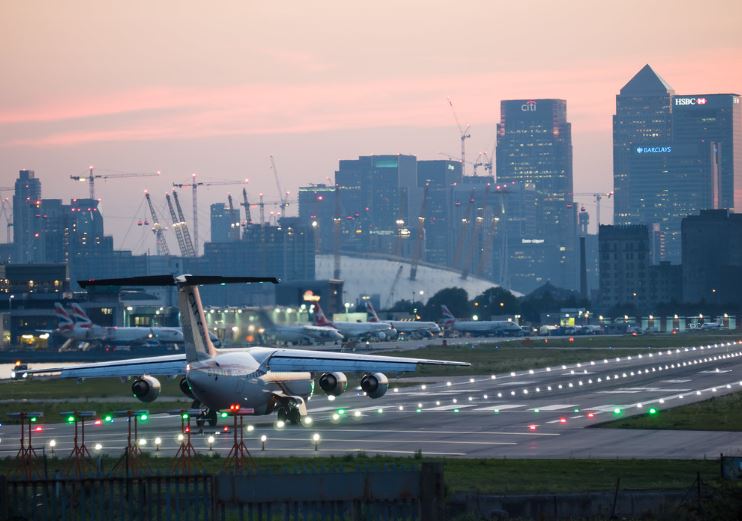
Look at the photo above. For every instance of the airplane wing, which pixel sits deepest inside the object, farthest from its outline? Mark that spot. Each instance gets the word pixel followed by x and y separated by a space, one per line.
pixel 169 365
pixel 316 361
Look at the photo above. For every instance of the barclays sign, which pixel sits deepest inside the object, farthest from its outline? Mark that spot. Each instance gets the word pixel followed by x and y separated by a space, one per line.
pixel 654 150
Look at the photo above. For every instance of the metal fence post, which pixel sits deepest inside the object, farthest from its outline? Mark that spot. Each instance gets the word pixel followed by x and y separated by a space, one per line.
pixel 432 492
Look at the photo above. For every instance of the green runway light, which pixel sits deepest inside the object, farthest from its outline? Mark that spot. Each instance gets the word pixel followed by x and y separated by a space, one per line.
pixel 184 415
pixel 418 410
pixel 497 411
pixel 341 411
pixel 70 419
pixel 537 410
pixel 224 415
pixel 144 417
pixel 577 409
pixel 33 418
pixel 616 411
pixel 108 418
pixel 455 410
pixel 652 411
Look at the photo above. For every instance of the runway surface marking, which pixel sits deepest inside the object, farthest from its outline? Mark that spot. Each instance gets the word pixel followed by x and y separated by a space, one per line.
pixel 556 407
pixel 449 407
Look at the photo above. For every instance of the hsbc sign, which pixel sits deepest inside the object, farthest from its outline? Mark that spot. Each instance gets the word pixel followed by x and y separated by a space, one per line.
pixel 681 102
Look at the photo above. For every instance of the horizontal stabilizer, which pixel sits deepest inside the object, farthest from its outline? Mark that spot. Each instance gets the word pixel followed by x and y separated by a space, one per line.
pixel 174 280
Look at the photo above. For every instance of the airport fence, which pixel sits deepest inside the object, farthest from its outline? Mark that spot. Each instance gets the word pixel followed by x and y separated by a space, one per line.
pixel 367 493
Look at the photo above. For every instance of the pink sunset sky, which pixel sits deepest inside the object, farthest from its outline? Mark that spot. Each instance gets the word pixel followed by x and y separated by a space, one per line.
pixel 216 88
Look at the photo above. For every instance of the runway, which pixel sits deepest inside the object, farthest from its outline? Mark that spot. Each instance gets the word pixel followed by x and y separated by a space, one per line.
pixel 538 413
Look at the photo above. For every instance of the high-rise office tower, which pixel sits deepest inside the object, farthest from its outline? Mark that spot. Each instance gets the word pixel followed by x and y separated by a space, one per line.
pixel 317 210
pixel 441 176
pixel 674 155
pixel 642 134
pixel 534 147
pixel 377 193
pixel 26 200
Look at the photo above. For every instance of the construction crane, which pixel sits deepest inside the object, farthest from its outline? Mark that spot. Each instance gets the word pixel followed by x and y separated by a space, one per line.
pixel 283 197
pixel 246 204
pixel 390 299
pixel 336 220
pixel 91 177
pixel 190 251
pixel 162 248
pixel 234 227
pixel 194 193
pixel 463 136
pixel 598 196
pixel 8 222
pixel 177 228
pixel 419 240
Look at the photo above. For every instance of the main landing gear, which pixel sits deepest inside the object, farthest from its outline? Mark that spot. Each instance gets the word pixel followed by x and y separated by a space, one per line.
pixel 209 415
pixel 289 413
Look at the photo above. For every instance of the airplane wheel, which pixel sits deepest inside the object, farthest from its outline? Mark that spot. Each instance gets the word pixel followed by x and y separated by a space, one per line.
pixel 294 416
pixel 283 414
pixel 211 417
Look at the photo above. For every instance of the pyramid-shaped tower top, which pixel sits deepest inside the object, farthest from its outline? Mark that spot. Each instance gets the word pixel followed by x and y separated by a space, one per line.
pixel 646 82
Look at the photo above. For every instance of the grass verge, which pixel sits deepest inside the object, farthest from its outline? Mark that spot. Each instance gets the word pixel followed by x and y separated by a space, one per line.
pixel 721 413
pixel 488 476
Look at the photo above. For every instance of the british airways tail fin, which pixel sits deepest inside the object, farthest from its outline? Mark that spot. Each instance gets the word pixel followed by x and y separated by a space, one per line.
pixel 64 320
pixel 79 315
pixel 447 315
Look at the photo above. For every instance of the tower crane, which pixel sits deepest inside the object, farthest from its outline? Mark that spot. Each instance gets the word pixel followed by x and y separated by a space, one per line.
pixel 91 177
pixel 194 193
pixel 177 228
pixel 190 251
pixel 234 227
pixel 281 196
pixel 162 248
pixel 390 299
pixel 8 222
pixel 463 136
pixel 246 204
pixel 598 196
pixel 420 233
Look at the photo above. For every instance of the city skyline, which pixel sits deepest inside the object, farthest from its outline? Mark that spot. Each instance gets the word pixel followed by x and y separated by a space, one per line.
pixel 217 95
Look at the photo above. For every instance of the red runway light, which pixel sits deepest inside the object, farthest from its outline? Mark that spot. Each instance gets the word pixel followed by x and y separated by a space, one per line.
pixel 562 420
pixel 531 427
pixel 591 415
pixel 98 422
pixel 39 428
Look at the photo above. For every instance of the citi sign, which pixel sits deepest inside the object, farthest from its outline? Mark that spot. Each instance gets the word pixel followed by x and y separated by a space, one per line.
pixel 528 106
pixel 690 101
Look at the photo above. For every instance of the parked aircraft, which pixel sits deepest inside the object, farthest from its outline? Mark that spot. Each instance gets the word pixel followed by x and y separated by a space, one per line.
pixel 480 327
pixel 303 334
pixel 77 326
pixel 355 330
pixel 256 380
pixel 412 328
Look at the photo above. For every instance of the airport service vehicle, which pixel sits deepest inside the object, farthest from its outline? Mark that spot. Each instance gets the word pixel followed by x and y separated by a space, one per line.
pixel 480 327
pixel 355 330
pixel 412 328
pixel 257 380
pixel 301 334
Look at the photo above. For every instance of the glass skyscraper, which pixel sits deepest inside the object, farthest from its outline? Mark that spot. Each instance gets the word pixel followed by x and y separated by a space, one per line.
pixel 534 148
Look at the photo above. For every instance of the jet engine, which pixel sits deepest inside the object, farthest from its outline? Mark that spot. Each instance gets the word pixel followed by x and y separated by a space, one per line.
pixel 185 388
pixel 146 388
pixel 333 383
pixel 374 385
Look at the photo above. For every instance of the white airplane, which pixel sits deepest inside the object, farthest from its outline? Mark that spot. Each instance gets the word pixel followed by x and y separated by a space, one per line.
pixel 77 326
pixel 412 328
pixel 355 330
pixel 480 327
pixel 258 380
pixel 303 334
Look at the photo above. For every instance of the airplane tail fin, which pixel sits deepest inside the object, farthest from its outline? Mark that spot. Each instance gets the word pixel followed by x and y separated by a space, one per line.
pixel 448 318
pixel 319 316
pixel 80 316
pixel 64 320
pixel 198 345
pixel 372 312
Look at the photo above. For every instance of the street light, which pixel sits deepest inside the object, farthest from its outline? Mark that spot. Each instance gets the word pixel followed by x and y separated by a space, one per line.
pixel 263 439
